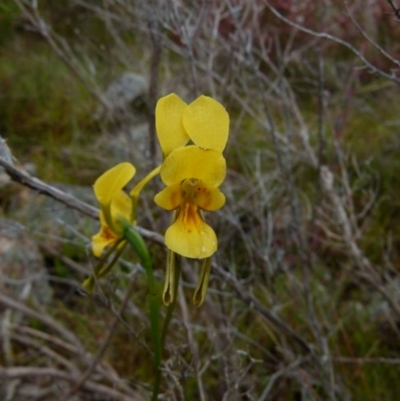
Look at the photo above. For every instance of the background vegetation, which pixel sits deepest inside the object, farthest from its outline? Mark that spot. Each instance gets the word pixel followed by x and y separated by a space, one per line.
pixel 304 298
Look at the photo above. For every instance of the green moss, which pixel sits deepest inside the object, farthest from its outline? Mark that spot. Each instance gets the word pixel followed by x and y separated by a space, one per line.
pixel 8 13
pixel 42 103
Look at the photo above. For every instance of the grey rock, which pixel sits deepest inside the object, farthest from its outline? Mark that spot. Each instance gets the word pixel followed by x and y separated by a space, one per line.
pixel 126 88
pixel 52 220
pixel 128 143
pixel 126 97
pixel 22 267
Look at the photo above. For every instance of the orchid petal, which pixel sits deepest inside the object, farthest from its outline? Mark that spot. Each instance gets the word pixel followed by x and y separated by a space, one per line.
pixel 112 181
pixel 170 197
pixel 102 239
pixel 121 204
pixel 190 236
pixel 209 199
pixel 207 123
pixel 193 162
pixel 170 131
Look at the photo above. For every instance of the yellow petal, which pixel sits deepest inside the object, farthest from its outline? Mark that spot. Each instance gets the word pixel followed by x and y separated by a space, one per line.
pixel 207 123
pixel 170 130
pixel 169 198
pixel 193 162
pixel 190 236
pixel 112 181
pixel 121 204
pixel 103 239
pixel 209 199
pixel 106 236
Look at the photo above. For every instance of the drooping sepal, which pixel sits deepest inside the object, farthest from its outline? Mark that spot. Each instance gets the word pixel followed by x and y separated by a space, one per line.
pixel 170 277
pixel 201 290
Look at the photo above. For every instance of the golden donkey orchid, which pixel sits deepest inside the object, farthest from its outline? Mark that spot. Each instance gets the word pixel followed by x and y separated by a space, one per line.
pixel 192 175
pixel 114 202
pixel 117 211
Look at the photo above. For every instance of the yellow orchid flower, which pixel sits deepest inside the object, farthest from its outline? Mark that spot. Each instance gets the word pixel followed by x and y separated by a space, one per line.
pixel 115 204
pixel 106 236
pixel 192 173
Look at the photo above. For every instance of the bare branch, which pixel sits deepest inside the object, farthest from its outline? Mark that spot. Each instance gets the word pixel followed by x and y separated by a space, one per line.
pixel 106 340
pixel 67 199
pixel 35 371
pixel 395 9
pixel 366 361
pixel 34 183
pixel 156 45
pixel 373 43
pixel 249 299
pixel 346 44
pixel 60 48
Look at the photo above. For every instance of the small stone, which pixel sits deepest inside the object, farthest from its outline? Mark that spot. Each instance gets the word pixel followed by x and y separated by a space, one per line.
pixel 126 97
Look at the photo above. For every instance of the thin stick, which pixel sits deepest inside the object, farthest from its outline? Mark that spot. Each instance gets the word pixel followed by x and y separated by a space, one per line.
pixel 35 371
pixel 47 320
pixel 106 341
pixel 137 243
pixel 103 368
pixel 61 49
pixel 156 44
pixel 362 361
pixel 251 300
pixel 324 35
pixel 395 9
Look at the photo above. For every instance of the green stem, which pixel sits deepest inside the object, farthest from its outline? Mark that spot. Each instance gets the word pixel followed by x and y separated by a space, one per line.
pixel 138 244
